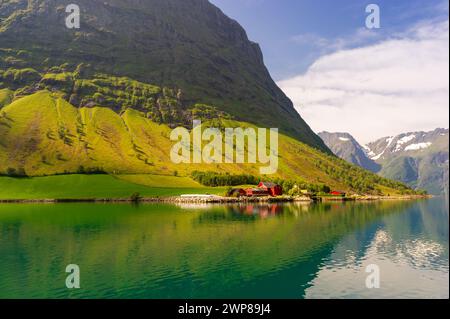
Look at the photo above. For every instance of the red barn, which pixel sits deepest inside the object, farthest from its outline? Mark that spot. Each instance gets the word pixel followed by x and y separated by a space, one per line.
pixel 272 188
pixel 256 192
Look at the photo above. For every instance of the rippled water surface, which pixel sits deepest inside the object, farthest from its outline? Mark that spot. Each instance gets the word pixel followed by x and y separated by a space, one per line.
pixel 268 251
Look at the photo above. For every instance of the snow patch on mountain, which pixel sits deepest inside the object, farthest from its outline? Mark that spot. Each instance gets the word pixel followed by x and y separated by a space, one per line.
pixel 344 139
pixel 404 140
pixel 418 146
pixel 373 156
pixel 389 141
pixel 377 157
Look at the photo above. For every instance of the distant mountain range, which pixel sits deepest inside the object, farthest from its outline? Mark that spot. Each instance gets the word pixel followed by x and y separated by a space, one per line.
pixel 420 159
pixel 347 148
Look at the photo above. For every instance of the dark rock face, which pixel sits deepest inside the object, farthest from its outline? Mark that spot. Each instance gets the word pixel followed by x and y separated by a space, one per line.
pixel 185 44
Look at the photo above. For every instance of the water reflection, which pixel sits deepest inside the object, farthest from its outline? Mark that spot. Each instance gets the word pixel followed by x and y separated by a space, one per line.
pixel 251 251
pixel 410 248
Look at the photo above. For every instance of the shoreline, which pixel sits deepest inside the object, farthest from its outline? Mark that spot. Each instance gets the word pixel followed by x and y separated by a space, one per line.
pixel 217 199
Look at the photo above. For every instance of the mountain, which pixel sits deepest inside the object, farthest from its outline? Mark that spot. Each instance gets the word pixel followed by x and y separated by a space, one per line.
pixel 408 144
pixel 347 148
pixel 105 97
pixel 420 159
pixel 189 46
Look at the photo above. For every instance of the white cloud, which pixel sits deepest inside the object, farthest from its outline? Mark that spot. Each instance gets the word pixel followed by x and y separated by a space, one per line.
pixel 398 85
pixel 327 45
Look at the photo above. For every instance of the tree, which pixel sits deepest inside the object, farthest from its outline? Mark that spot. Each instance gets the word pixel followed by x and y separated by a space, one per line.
pixel 135 197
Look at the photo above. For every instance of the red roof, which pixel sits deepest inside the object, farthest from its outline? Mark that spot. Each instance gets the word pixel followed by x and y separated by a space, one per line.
pixel 337 193
pixel 267 184
pixel 272 188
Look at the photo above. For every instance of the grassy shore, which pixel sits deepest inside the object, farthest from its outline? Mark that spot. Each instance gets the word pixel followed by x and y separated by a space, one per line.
pixel 84 187
pixel 121 188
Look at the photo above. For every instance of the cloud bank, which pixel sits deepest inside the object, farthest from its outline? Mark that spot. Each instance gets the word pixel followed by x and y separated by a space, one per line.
pixel 398 85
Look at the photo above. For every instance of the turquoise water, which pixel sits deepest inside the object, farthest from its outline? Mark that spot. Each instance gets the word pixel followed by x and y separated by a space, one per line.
pixel 247 251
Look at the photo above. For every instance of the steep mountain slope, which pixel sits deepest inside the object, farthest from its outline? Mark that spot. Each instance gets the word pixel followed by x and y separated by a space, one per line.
pixel 420 159
pixel 42 134
pixel 347 148
pixel 187 45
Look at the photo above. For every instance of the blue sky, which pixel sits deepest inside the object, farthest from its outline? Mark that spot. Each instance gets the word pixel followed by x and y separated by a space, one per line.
pixel 278 26
pixel 343 77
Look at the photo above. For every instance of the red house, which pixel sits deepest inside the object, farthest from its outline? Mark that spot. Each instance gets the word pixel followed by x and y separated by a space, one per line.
pixel 272 188
pixel 236 192
pixel 251 192
pixel 337 193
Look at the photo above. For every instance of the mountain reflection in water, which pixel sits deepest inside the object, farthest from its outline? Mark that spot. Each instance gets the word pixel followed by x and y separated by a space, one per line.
pixel 295 250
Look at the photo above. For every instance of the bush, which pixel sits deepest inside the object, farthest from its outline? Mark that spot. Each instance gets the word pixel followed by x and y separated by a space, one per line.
pixel 135 197
pixel 22 75
pixel 12 172
pixel 90 170
pixel 216 179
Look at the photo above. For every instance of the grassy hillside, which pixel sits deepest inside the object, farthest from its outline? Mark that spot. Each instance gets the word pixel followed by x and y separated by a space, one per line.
pixel 42 134
pixel 188 45
pixel 426 171
pixel 95 186
pixel 6 97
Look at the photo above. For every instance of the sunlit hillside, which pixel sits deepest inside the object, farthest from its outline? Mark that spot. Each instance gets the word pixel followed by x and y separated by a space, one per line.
pixel 42 134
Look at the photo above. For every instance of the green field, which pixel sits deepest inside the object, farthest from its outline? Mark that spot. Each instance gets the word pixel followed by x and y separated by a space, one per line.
pixel 95 186
pixel 160 181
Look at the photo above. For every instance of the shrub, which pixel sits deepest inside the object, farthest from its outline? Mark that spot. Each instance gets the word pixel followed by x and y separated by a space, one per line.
pixel 12 172
pixel 216 179
pixel 90 170
pixel 135 197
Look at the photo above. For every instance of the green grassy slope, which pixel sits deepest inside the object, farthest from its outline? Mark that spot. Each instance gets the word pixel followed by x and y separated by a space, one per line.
pixel 6 97
pixel 93 186
pixel 188 45
pixel 42 134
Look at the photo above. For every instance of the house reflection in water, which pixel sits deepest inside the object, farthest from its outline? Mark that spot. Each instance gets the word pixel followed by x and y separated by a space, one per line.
pixel 246 211
pixel 263 210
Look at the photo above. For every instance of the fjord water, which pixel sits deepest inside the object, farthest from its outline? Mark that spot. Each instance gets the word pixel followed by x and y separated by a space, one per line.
pixel 240 251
